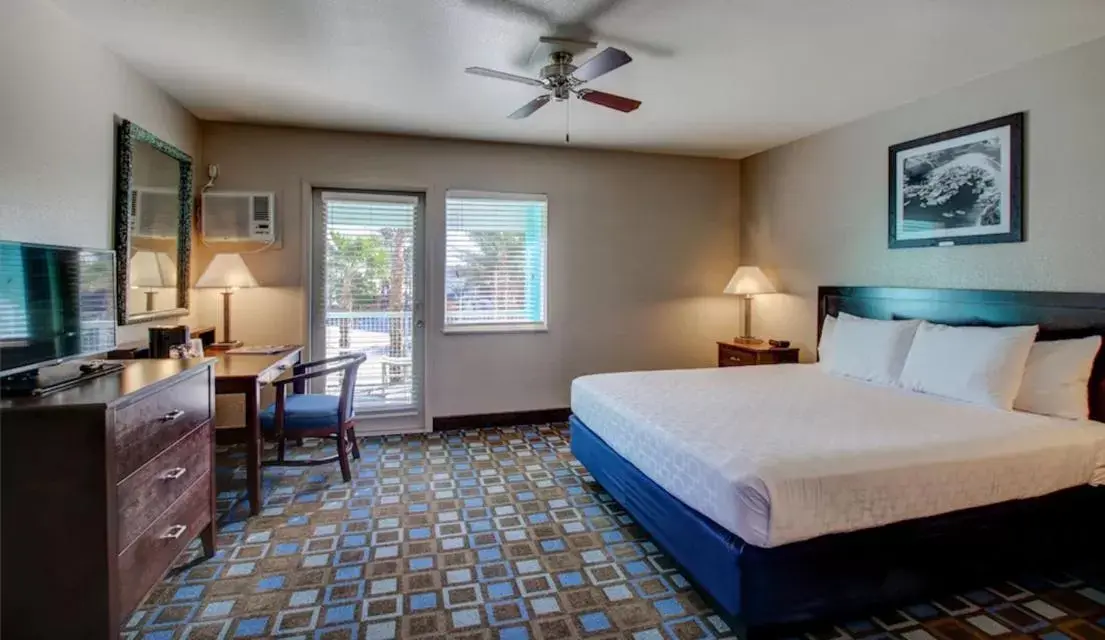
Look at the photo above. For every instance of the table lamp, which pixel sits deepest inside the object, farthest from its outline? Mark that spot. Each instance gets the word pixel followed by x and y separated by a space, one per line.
pixel 748 282
pixel 152 270
pixel 227 272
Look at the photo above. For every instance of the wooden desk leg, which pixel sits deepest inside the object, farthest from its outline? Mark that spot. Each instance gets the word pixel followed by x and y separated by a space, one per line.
pixel 253 448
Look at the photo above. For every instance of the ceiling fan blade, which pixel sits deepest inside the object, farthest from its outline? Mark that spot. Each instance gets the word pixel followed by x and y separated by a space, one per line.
pixel 514 9
pixel 530 107
pixel 502 75
pixel 609 100
pixel 604 61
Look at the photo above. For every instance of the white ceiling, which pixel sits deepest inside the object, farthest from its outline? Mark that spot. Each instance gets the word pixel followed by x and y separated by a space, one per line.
pixel 718 77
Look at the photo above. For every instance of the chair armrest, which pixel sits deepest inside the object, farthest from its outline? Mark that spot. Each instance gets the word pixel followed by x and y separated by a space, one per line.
pixel 299 377
pixel 302 367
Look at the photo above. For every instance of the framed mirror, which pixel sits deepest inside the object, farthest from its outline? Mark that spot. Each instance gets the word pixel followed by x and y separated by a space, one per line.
pixel 153 226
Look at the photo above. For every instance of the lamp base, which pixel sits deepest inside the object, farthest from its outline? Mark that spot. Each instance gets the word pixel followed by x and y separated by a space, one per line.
pixel 223 346
pixel 748 340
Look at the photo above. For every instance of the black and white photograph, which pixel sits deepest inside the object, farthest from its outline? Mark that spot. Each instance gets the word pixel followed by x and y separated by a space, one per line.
pixel 958 187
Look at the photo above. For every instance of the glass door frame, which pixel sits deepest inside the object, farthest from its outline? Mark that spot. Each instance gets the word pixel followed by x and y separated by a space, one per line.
pixel 397 420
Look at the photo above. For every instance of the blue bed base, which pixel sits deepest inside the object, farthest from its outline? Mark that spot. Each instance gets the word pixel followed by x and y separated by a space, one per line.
pixel 852 573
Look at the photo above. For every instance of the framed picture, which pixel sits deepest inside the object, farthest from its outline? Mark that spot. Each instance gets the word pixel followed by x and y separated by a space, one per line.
pixel 959 187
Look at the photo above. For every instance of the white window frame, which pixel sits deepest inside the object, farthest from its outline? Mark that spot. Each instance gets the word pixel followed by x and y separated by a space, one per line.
pixel 314 227
pixel 499 327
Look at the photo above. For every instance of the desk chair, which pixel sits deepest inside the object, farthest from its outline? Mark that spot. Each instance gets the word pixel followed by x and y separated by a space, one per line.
pixel 315 415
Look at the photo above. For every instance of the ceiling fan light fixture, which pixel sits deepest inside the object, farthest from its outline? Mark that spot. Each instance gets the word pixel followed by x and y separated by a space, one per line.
pixel 561 78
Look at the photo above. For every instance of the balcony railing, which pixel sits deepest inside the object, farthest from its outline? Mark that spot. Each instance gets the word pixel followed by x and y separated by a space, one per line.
pixel 386 379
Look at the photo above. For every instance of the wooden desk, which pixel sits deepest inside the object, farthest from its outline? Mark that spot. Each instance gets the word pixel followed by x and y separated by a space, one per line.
pixel 242 373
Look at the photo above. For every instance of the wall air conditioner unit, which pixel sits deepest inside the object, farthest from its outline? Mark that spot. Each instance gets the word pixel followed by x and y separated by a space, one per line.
pixel 155 212
pixel 238 216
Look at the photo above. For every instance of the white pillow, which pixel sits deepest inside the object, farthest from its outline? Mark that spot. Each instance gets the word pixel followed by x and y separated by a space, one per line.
pixel 980 365
pixel 1057 378
pixel 826 337
pixel 871 350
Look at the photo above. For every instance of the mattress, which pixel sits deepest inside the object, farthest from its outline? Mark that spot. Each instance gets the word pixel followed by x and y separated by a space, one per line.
pixel 786 453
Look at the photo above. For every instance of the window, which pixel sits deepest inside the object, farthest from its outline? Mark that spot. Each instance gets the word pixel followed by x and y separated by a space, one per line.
pixel 495 249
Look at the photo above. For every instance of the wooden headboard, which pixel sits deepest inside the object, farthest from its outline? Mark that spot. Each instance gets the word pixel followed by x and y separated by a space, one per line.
pixel 1059 315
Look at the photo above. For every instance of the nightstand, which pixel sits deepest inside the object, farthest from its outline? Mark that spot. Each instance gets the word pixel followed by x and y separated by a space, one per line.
pixel 740 355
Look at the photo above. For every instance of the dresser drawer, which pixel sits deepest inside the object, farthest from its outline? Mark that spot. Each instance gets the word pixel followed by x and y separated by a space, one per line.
pixel 147 427
pixel 734 357
pixel 142 564
pixel 146 493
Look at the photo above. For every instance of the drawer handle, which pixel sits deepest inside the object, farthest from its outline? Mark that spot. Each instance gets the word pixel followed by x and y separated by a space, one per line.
pixel 733 359
pixel 174 473
pixel 174 532
pixel 172 416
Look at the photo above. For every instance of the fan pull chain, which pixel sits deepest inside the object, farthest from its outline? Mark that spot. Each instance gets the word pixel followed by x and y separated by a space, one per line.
pixel 568 120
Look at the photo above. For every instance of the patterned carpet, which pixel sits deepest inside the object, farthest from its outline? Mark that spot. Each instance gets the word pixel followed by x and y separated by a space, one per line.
pixel 496 534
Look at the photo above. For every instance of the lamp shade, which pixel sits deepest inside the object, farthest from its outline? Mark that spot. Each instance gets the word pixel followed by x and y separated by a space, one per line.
pixel 152 269
pixel 226 271
pixel 749 281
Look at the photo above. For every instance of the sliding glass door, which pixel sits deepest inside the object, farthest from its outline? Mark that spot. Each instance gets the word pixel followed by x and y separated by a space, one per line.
pixel 367 294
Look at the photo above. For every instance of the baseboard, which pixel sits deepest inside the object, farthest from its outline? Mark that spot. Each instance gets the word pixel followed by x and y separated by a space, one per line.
pixel 506 419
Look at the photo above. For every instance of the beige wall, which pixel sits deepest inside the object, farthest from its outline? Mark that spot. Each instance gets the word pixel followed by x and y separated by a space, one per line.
pixel 640 247
pixel 814 212
pixel 60 92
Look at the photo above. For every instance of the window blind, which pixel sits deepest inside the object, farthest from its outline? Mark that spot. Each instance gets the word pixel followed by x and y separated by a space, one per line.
pixel 369 293
pixel 495 261
pixel 13 295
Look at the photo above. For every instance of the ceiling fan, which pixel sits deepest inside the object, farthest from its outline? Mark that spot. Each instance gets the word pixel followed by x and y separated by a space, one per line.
pixel 562 79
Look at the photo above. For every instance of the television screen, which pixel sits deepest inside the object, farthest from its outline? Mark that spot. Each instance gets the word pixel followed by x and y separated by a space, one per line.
pixel 55 303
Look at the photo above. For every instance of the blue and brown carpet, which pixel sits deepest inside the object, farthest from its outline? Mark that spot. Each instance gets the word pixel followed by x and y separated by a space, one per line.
pixel 496 534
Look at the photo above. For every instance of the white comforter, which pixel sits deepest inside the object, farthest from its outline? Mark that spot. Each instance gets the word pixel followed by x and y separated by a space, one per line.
pixel 786 453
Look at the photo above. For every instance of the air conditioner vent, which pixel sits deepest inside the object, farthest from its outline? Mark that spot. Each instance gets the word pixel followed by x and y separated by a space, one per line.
pixel 238 217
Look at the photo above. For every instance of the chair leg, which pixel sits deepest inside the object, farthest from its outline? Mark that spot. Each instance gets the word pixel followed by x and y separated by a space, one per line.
pixel 353 439
pixel 343 455
pixel 280 440
pixel 299 442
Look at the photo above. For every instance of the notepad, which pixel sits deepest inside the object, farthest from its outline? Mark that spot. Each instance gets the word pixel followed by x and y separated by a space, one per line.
pixel 262 349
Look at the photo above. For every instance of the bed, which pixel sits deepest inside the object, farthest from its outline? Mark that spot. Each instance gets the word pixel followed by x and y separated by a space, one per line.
pixel 848 496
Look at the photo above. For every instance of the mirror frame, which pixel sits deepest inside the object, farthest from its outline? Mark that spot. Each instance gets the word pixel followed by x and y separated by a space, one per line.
pixel 127 135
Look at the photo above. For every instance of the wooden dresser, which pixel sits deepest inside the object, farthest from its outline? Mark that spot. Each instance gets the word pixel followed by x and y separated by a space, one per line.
pixel 101 487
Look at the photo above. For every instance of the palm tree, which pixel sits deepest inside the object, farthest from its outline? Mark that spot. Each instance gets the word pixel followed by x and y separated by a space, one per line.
pixel 401 244
pixel 486 271
pixel 355 265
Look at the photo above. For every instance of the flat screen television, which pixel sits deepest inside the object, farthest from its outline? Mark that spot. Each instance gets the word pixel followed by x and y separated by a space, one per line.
pixel 56 303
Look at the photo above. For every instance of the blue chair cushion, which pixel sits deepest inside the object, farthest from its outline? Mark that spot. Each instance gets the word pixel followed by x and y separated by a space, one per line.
pixel 303 411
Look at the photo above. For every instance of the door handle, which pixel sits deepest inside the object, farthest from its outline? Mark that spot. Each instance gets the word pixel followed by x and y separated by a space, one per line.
pixel 420 324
